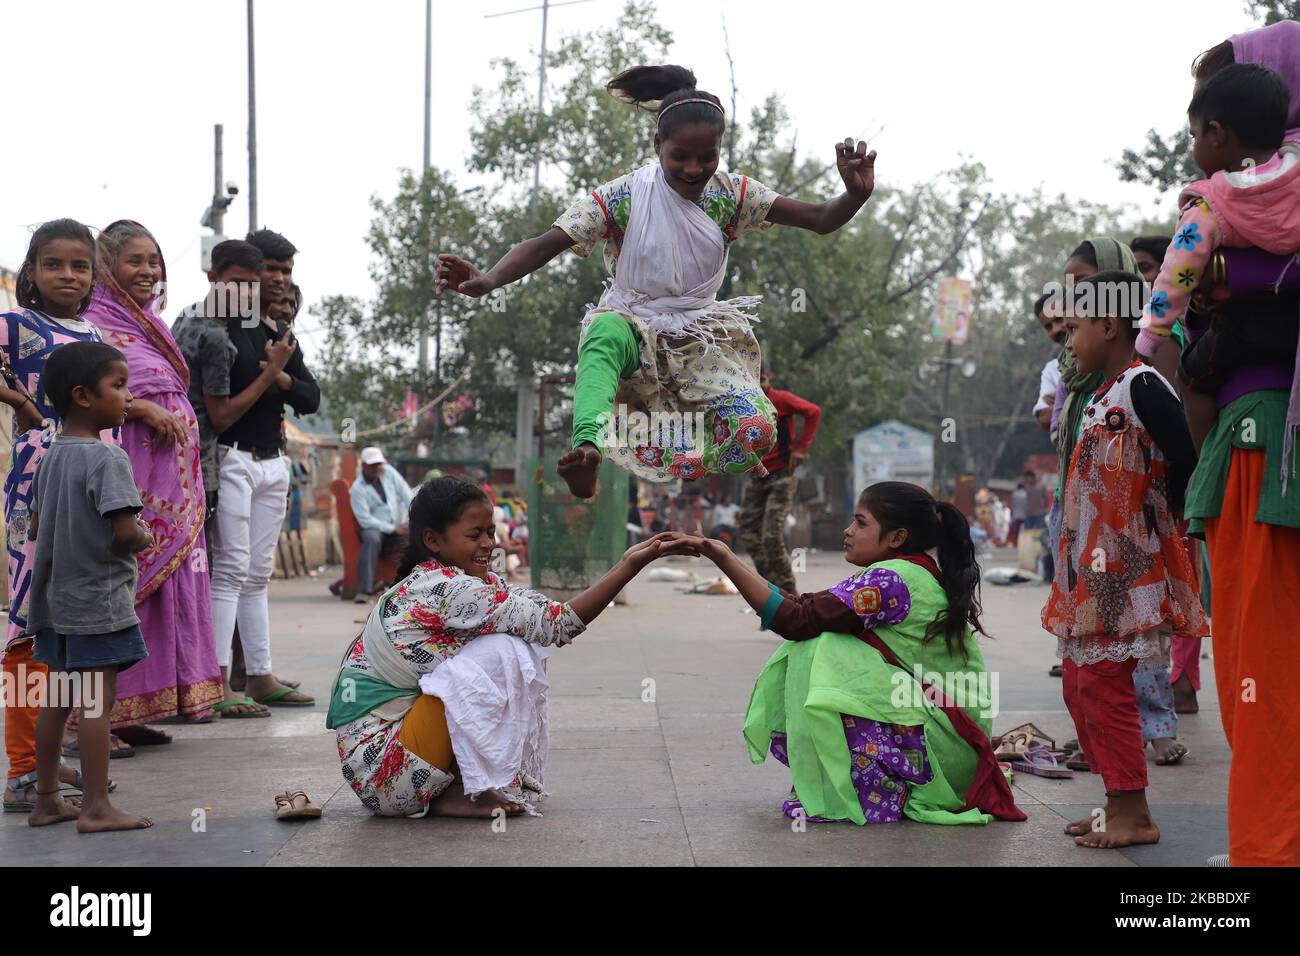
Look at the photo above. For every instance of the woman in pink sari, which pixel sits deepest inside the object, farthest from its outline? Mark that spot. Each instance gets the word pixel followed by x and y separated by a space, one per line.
pixel 173 600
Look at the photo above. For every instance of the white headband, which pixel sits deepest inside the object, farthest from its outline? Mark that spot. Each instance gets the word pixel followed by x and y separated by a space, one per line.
pixel 694 99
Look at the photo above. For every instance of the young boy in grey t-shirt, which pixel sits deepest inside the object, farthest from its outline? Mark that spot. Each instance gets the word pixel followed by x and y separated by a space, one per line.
pixel 82 608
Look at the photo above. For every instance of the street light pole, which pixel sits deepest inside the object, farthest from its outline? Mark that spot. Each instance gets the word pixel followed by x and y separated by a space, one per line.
pixel 252 128
pixel 428 100
pixel 428 74
pixel 218 207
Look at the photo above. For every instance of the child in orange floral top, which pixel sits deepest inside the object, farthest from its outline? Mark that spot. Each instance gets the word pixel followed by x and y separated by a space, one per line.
pixel 1123 582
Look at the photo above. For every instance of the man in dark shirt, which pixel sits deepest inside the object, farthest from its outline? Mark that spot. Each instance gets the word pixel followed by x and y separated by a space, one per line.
pixel 254 475
pixel 768 500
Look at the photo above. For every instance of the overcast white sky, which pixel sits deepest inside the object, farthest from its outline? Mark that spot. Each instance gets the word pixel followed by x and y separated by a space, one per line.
pixel 110 105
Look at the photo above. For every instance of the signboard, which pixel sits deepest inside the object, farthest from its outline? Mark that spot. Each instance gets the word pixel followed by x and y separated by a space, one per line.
pixel 952 319
pixel 892 451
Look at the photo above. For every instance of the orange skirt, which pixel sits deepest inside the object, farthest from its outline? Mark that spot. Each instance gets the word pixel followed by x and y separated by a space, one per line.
pixel 1256 569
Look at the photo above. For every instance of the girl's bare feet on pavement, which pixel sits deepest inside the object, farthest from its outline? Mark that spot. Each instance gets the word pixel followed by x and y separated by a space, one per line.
pixel 1126 822
pixel 1185 696
pixel 107 817
pixel 452 802
pixel 1080 827
pixel 579 468
pixel 51 808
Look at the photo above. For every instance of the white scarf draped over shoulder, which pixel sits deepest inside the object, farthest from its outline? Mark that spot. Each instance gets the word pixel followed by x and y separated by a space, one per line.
pixel 671 265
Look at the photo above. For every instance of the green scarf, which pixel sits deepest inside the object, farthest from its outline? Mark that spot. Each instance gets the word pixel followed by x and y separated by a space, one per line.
pixel 1111 254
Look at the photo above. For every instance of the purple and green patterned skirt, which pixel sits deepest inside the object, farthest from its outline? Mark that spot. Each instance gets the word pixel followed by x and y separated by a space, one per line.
pixel 884 760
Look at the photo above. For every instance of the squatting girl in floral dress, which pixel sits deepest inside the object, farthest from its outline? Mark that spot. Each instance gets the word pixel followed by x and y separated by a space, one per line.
pixel 659 352
pixel 442 698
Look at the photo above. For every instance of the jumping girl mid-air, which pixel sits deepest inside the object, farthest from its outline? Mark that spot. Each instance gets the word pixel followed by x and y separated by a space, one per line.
pixel 659 342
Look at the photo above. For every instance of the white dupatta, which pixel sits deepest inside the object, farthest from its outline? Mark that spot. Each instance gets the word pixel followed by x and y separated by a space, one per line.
pixel 671 265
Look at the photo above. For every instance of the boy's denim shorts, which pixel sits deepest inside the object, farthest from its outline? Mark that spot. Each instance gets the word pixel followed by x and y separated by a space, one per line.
pixel 84 652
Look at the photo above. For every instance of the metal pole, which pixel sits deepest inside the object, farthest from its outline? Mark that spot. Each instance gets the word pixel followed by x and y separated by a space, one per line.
pixel 947 378
pixel 252 129
pixel 541 98
pixel 428 97
pixel 218 210
pixel 428 74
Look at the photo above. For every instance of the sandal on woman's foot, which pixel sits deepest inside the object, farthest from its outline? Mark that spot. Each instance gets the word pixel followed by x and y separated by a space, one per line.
pixel 118 748
pixel 294 684
pixel 20 793
pixel 279 698
pixel 1056 671
pixel 295 805
pixel 249 708
pixel 78 781
pixel 142 736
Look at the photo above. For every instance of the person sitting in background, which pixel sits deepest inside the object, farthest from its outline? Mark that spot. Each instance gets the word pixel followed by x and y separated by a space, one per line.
pixel 381 499
pixel 724 519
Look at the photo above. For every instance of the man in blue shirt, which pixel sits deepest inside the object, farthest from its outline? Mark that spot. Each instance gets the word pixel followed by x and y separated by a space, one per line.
pixel 381 502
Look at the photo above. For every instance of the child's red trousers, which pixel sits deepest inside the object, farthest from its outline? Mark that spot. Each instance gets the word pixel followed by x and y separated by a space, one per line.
pixel 1103 702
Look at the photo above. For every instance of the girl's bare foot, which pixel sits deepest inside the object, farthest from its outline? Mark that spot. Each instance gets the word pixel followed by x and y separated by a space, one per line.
pixel 579 468
pixel 1080 827
pixel 452 802
pixel 51 808
pixel 1168 751
pixel 107 817
pixel 1127 822
pixel 1185 696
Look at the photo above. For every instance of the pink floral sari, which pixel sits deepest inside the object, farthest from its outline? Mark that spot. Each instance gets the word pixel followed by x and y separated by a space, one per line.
pixel 173 597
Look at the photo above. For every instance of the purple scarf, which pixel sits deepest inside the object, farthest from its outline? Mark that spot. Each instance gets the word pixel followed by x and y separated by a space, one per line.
pixel 1278 48
pixel 169 478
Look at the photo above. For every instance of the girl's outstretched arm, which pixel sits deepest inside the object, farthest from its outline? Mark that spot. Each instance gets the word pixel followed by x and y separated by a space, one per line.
pixel 792 617
pixel 858 170
pixel 527 257
pixel 596 598
pixel 753 587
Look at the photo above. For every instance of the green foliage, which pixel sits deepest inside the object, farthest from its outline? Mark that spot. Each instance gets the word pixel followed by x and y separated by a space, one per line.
pixel 1165 163
pixel 1271 11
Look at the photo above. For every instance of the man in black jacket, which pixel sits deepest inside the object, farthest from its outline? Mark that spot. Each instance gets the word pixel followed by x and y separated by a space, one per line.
pixel 254 477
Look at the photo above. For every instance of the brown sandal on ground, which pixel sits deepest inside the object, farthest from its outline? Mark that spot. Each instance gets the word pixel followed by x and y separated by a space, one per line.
pixel 295 805
pixel 1016 742
pixel 1077 761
